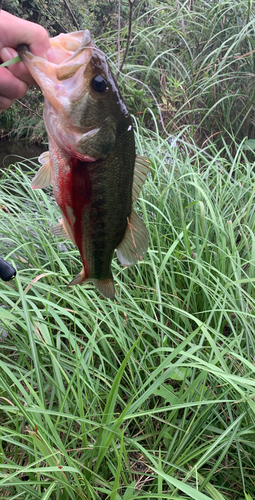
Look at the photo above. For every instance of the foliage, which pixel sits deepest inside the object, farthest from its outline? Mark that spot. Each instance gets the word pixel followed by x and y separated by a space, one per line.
pixel 28 126
pixel 197 58
pixel 60 16
pixel 151 396
pixel 56 17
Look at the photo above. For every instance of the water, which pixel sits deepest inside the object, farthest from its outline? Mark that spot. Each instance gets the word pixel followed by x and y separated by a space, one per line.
pixel 13 151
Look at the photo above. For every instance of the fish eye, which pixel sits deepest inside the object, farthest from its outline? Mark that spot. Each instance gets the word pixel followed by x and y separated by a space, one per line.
pixel 99 84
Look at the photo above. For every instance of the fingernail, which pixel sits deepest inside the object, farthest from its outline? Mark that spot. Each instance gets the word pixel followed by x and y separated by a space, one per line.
pixel 6 54
pixel 50 55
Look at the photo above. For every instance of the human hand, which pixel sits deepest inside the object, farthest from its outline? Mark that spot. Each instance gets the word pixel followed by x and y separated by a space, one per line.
pixel 15 80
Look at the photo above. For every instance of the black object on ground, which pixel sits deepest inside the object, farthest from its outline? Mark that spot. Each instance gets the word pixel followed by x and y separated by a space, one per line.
pixel 7 271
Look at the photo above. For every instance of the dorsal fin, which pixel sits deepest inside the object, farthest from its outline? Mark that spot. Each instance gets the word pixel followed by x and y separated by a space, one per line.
pixel 140 173
pixel 135 242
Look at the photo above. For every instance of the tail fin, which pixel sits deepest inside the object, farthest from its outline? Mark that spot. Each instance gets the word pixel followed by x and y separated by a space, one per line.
pixel 106 287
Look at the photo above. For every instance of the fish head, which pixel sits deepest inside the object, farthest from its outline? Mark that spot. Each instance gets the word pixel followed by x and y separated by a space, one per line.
pixel 84 110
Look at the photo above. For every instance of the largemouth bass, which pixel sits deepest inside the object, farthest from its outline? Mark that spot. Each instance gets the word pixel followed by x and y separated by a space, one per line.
pixel 91 162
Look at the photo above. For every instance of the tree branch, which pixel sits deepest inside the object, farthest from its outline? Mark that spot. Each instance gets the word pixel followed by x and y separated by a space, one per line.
pixel 131 3
pixel 72 14
pixel 118 38
pixel 27 107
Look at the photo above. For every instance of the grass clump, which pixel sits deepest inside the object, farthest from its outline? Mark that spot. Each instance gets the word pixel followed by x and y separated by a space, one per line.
pixel 151 396
pixel 198 59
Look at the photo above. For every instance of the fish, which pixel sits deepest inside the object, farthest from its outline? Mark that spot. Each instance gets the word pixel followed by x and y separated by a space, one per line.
pixel 91 163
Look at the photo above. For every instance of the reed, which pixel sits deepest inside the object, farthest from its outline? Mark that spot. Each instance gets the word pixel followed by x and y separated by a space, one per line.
pixel 151 396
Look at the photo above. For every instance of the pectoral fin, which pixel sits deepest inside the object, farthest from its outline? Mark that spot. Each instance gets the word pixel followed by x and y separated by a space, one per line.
pixel 135 242
pixel 43 178
pixel 44 157
pixel 140 173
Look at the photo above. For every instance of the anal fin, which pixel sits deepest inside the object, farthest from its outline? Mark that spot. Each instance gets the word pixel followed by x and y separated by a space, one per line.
pixel 63 230
pixel 60 230
pixel 43 177
pixel 79 278
pixel 135 242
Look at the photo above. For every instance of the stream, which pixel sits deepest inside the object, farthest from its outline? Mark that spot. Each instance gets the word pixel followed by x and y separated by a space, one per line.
pixel 12 151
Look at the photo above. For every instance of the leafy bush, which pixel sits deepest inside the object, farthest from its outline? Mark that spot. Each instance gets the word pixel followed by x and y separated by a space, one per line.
pixel 196 58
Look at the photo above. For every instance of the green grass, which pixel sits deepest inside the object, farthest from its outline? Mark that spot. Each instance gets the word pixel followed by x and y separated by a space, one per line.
pixel 151 396
pixel 198 58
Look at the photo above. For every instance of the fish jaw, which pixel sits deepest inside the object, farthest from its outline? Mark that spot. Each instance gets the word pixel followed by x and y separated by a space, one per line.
pixel 65 44
pixel 58 124
pixel 82 120
pixel 48 75
pixel 44 76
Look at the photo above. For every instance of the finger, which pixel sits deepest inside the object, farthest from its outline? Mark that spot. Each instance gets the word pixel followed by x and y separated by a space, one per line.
pixel 18 69
pixel 10 86
pixel 15 31
pixel 5 103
